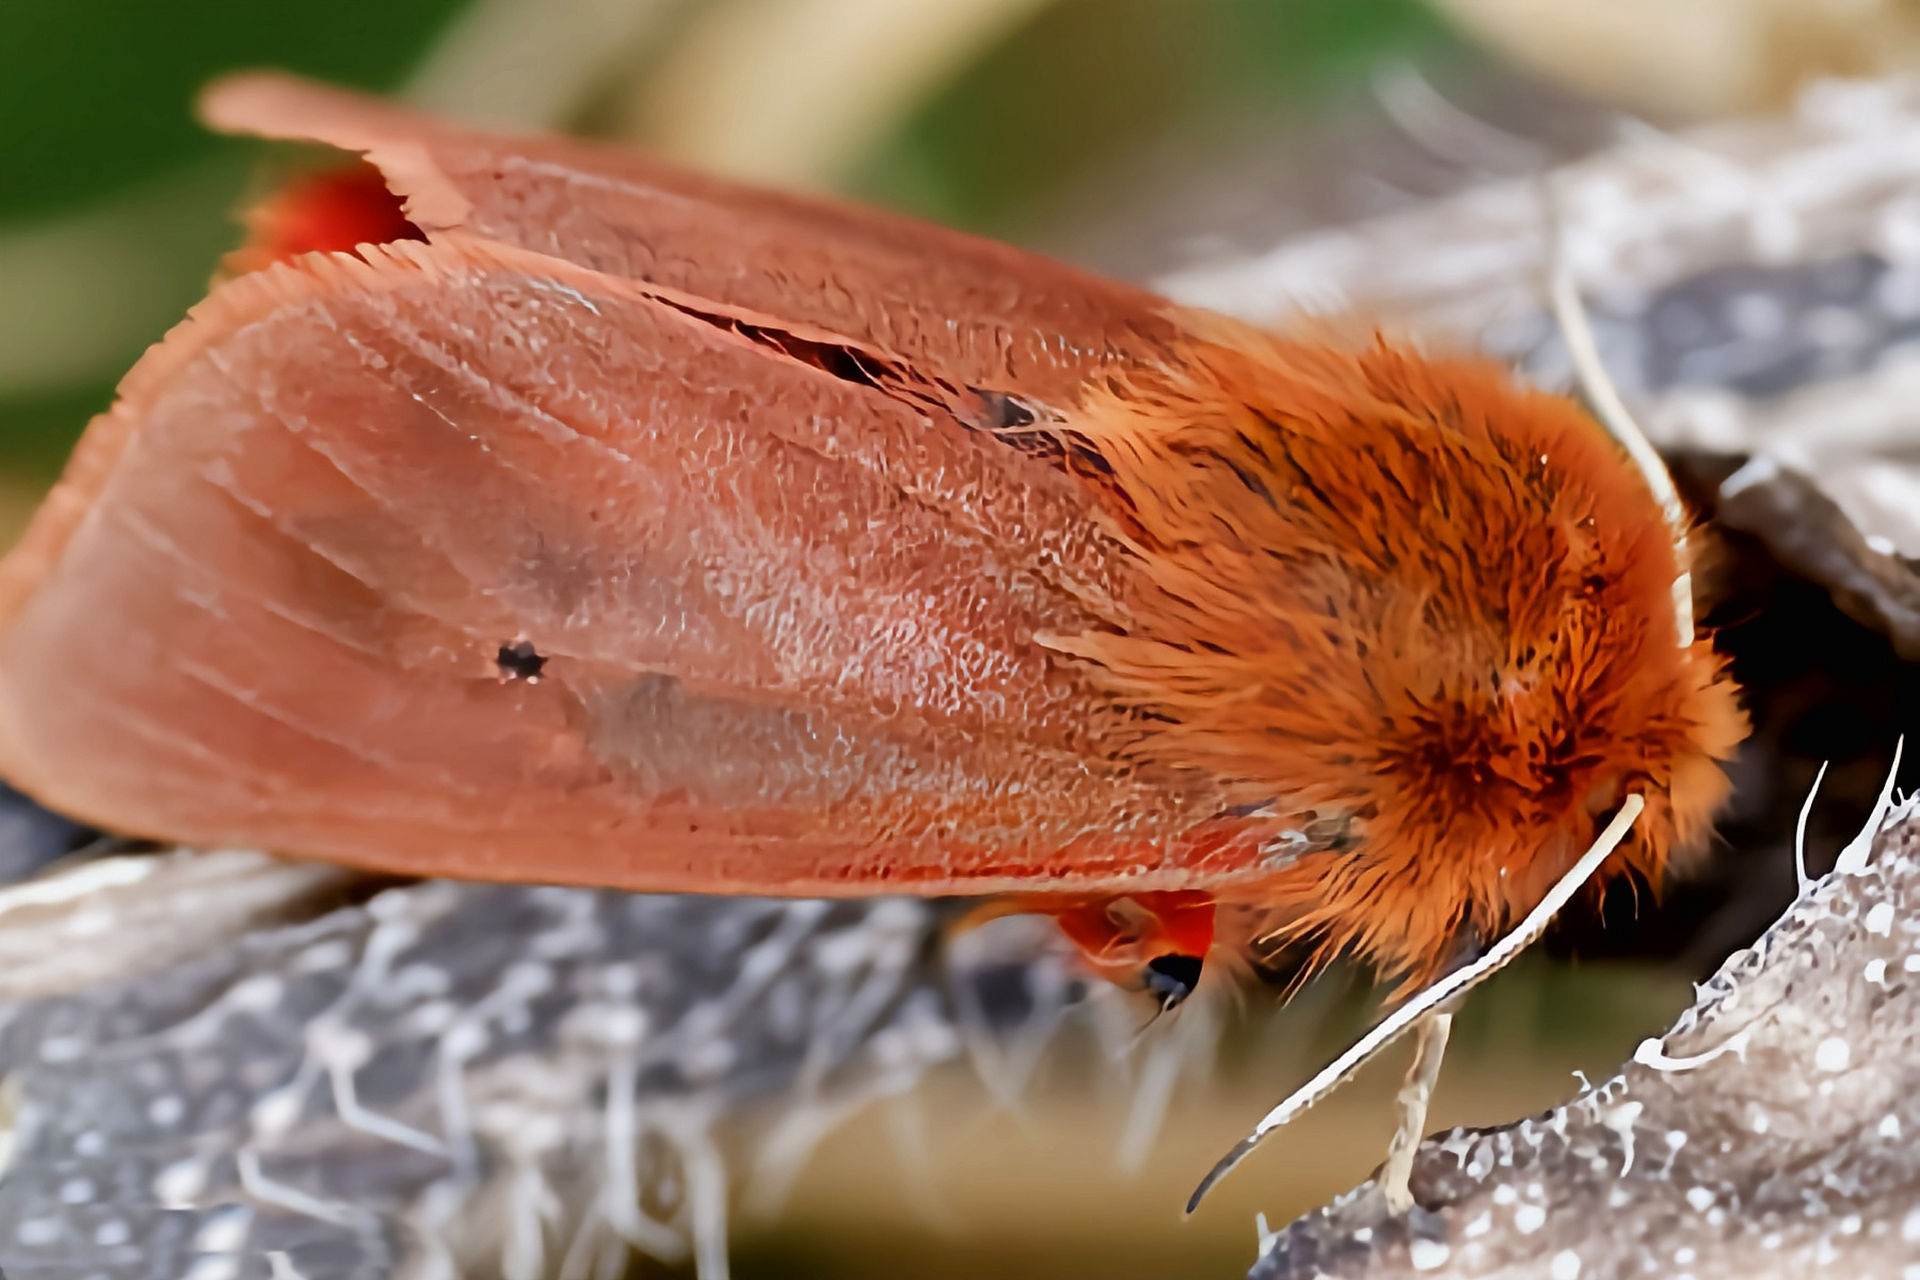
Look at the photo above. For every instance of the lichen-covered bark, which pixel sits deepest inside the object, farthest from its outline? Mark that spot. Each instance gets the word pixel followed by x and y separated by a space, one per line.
pixel 1770 1133
pixel 464 1079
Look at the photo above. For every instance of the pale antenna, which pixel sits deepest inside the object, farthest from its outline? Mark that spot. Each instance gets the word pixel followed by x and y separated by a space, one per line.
pixel 1431 1001
pixel 1570 313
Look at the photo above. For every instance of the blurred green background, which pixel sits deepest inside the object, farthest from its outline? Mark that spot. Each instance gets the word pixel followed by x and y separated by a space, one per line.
pixel 1131 134
pixel 113 203
pixel 995 115
pixel 115 206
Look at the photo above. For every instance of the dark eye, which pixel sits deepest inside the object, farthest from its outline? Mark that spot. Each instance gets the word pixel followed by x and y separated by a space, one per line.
pixel 1172 978
pixel 520 661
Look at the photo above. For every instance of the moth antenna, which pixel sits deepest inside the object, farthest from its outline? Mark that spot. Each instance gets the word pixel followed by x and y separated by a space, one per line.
pixel 1570 313
pixel 1431 1001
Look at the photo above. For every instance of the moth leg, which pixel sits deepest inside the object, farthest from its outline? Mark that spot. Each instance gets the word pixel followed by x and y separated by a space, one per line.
pixel 1430 1046
pixel 1439 999
pixel 1156 941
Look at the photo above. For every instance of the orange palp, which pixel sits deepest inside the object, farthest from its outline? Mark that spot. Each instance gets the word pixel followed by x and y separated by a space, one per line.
pixel 1157 941
pixel 636 529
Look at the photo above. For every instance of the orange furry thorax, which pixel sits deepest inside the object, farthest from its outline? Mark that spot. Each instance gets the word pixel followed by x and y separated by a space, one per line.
pixel 1414 616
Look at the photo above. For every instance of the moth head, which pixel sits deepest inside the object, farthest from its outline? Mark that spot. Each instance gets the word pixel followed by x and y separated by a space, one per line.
pixel 1411 597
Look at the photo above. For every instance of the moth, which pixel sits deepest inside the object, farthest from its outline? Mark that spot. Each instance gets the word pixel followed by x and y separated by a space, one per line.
pixel 527 509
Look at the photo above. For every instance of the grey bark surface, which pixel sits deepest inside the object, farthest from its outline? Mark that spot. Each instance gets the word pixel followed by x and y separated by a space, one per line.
pixel 472 1080
pixel 1770 1133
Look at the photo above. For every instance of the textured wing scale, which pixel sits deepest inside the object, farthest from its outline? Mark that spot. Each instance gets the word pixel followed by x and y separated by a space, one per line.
pixel 784 649
pixel 971 311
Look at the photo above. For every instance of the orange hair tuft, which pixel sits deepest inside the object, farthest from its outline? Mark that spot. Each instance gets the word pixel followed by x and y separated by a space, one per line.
pixel 1421 615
